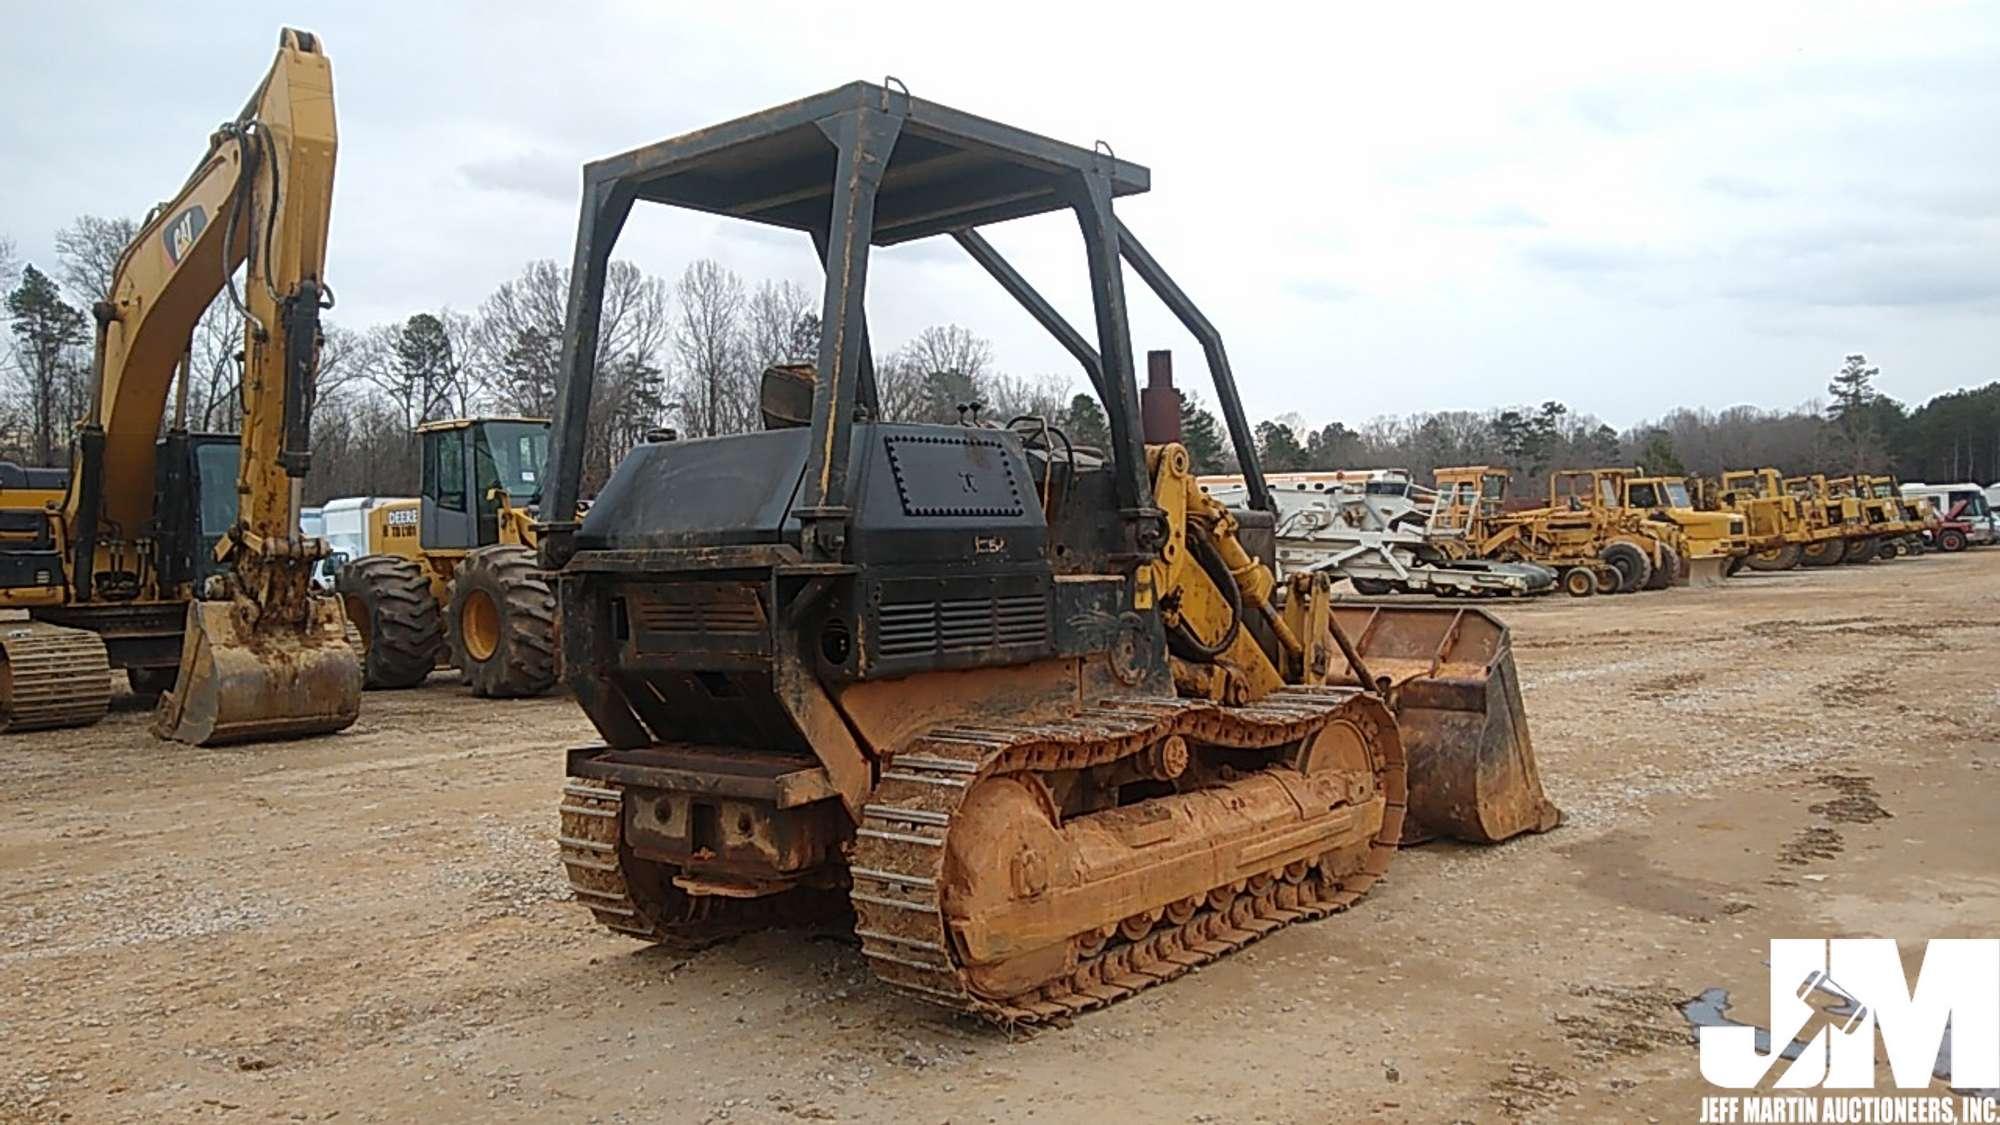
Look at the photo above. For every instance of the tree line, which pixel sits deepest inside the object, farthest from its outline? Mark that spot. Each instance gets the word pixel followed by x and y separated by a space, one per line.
pixel 688 354
pixel 1955 436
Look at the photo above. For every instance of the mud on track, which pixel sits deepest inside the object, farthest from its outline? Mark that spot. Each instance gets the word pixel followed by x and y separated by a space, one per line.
pixel 372 926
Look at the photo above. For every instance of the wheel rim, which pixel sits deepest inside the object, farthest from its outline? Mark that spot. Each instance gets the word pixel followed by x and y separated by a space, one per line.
pixel 357 616
pixel 480 623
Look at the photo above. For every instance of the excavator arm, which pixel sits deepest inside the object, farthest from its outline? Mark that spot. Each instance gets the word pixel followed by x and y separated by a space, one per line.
pixel 261 656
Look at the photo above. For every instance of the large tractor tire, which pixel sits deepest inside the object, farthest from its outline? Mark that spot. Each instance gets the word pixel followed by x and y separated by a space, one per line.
pixel 1779 558
pixel 1372 587
pixel 1860 551
pixel 1634 569
pixel 1669 570
pixel 389 603
pixel 503 623
pixel 1825 552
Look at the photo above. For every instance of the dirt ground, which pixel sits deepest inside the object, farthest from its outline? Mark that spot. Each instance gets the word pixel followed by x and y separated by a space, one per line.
pixel 373 926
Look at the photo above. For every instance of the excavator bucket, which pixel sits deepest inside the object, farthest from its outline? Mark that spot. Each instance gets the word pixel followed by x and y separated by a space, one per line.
pixel 242 683
pixel 1450 678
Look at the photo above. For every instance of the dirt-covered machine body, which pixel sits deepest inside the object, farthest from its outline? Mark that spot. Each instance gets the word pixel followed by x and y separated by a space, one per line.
pixel 1040 718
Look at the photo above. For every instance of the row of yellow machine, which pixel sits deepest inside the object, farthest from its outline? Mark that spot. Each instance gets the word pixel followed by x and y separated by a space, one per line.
pixel 1603 530
pixel 1042 722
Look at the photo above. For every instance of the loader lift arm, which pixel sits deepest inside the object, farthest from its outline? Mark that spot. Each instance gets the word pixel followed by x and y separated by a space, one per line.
pixel 266 658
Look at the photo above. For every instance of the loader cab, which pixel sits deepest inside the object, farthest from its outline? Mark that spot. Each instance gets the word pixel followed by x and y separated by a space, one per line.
pixel 1467 499
pixel 472 468
pixel 1657 492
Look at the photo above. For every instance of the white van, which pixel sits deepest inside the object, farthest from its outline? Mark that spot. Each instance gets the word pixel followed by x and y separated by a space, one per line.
pixel 1963 501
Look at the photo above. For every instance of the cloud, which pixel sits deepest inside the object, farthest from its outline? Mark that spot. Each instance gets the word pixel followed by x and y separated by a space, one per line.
pixel 1320 290
pixel 1506 216
pixel 1584 258
pixel 530 173
pixel 1740 187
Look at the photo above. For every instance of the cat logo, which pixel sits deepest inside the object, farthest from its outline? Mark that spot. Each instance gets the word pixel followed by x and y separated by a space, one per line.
pixel 182 232
pixel 988 545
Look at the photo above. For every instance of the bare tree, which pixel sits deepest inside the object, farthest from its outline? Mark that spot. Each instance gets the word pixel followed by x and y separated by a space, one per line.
pixel 517 339
pixel 10 263
pixel 776 312
pixel 950 349
pixel 215 369
pixel 88 251
pixel 899 385
pixel 713 376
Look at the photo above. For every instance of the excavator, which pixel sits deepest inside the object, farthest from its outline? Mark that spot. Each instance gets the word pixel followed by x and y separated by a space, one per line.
pixel 1036 717
pixel 179 558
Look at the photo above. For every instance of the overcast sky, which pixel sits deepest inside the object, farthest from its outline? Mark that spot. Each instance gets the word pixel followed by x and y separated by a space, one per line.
pixel 1385 208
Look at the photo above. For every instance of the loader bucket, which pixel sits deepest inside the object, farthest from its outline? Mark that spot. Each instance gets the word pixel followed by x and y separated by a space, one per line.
pixel 243 683
pixel 1708 570
pixel 1449 677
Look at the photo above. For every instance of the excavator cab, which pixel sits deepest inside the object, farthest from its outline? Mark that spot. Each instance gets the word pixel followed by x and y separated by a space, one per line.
pixel 1037 715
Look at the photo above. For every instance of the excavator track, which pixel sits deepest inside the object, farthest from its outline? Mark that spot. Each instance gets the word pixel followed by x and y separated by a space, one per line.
pixel 637 898
pixel 53 677
pixel 899 860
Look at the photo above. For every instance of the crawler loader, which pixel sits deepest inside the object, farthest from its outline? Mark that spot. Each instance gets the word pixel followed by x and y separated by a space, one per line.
pixel 1039 717
pixel 452 576
pixel 178 556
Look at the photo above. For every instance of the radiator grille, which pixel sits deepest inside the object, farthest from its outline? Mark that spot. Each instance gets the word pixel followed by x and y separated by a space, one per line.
pixel 940 625
pixel 702 608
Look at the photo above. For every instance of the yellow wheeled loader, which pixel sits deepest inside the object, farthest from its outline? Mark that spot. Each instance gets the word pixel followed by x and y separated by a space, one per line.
pixel 179 557
pixel 1779 523
pixel 1714 544
pixel 1038 718
pixel 451 577
pixel 1583 534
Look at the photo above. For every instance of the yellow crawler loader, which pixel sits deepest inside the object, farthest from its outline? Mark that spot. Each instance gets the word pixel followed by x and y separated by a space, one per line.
pixel 179 558
pixel 1038 718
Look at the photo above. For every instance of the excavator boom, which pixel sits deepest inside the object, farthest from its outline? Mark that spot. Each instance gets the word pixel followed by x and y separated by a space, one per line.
pixel 261 655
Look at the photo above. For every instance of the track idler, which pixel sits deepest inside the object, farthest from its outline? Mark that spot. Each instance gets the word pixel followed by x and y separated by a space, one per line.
pixel 246 680
pixel 1451 681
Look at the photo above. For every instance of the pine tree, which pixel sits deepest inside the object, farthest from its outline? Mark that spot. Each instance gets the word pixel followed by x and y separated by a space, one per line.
pixel 1853 391
pixel 46 329
pixel 1279 449
pixel 1085 424
pixel 1202 434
